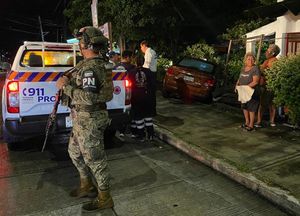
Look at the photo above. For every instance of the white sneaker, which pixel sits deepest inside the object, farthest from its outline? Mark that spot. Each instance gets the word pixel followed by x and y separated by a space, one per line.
pixel 121 135
pixel 150 138
pixel 140 139
pixel 134 136
pixel 258 125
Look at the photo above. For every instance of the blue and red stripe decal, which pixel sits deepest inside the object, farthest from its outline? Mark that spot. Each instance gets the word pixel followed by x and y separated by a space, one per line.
pixel 34 76
pixel 119 75
pixel 50 76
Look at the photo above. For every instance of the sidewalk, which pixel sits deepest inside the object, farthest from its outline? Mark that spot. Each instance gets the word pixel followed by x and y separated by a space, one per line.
pixel 266 160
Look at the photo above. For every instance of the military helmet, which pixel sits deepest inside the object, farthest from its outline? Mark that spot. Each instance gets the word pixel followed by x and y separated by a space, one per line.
pixel 90 35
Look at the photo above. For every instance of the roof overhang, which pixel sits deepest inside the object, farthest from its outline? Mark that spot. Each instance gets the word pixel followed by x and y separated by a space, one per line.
pixel 275 10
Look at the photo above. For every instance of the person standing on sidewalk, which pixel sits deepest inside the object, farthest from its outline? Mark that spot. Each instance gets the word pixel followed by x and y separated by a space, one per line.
pixel 250 76
pixel 142 107
pixel 88 90
pixel 266 97
pixel 150 62
pixel 124 65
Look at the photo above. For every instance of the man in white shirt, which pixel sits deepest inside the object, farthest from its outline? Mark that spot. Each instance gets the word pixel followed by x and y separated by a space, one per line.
pixel 150 63
pixel 150 56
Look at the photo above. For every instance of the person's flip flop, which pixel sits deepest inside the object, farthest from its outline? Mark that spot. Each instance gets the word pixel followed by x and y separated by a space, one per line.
pixel 249 129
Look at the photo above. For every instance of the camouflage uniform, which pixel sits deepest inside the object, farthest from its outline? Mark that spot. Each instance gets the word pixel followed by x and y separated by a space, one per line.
pixel 88 90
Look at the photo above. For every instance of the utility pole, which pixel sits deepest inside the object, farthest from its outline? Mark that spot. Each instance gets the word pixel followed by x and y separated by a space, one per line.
pixel 65 23
pixel 106 28
pixel 41 28
pixel 94 9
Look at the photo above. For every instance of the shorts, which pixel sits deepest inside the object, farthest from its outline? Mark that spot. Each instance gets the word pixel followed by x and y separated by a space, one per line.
pixel 266 97
pixel 251 106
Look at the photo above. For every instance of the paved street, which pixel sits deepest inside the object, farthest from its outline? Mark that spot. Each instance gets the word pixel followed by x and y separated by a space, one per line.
pixel 148 179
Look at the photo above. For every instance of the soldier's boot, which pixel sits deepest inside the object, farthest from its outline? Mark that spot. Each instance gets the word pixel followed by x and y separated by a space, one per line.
pixel 86 189
pixel 103 201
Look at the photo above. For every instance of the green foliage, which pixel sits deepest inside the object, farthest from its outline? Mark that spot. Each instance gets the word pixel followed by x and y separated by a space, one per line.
pixel 238 32
pixel 162 65
pixel 235 64
pixel 283 79
pixel 202 50
pixel 165 24
pixel 153 20
pixel 263 50
pixel 241 27
pixel 79 14
pixel 134 20
pixel 125 15
pixel 234 68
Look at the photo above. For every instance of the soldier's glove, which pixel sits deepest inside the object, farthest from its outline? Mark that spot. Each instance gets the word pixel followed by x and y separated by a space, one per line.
pixel 62 81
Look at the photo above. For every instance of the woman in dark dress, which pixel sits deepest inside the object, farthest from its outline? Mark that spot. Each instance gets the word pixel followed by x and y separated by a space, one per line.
pixel 250 76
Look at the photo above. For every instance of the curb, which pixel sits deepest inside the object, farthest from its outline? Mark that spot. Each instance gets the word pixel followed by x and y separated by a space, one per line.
pixel 278 196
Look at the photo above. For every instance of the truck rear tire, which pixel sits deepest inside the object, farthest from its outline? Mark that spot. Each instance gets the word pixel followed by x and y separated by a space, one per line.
pixel 12 142
pixel 12 146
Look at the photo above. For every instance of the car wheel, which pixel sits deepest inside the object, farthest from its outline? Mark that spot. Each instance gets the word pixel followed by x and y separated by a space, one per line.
pixel 208 99
pixel 12 142
pixel 164 92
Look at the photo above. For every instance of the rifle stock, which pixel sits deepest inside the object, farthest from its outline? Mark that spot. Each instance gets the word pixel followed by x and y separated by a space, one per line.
pixel 52 117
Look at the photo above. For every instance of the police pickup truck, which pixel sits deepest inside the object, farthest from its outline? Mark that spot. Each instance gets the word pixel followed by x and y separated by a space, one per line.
pixel 29 91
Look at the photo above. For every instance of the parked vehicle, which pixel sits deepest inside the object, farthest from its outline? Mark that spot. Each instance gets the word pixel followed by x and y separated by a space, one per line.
pixel 29 91
pixel 192 78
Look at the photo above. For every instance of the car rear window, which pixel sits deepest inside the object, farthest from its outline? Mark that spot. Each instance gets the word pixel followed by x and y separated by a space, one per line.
pixel 197 64
pixel 34 58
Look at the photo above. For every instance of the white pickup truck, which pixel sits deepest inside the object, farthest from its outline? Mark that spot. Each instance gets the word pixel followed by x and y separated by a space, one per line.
pixel 29 91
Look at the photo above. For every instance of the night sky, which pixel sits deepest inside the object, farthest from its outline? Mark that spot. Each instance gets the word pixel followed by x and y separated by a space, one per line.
pixel 19 22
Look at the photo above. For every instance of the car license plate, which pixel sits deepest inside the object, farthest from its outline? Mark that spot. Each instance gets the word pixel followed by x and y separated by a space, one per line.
pixel 188 78
pixel 69 122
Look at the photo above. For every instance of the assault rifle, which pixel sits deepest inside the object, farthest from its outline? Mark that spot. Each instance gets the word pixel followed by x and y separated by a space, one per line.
pixel 52 117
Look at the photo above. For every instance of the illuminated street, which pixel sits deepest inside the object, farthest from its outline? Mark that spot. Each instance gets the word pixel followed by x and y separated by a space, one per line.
pixel 147 179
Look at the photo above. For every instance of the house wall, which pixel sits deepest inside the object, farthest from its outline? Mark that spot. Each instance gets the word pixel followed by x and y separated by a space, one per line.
pixel 287 23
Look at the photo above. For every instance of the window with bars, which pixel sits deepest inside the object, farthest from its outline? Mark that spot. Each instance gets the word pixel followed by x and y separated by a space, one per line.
pixel 293 43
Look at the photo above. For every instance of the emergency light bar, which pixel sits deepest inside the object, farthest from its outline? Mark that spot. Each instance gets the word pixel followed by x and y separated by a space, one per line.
pixel 72 41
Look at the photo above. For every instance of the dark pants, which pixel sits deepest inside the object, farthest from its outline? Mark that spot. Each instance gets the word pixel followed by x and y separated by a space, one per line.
pixel 154 86
pixel 138 127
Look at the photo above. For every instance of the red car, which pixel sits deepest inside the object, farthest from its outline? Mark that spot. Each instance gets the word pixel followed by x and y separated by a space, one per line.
pixel 191 79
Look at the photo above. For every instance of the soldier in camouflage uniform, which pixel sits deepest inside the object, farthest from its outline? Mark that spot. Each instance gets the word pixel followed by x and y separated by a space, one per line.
pixel 86 92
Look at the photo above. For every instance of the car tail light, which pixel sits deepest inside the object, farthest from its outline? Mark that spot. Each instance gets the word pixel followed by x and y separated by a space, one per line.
pixel 127 92
pixel 209 83
pixel 13 97
pixel 127 83
pixel 170 71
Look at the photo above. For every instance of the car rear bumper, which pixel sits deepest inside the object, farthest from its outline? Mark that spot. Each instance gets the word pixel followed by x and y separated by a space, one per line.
pixel 34 125
pixel 31 126
pixel 193 90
